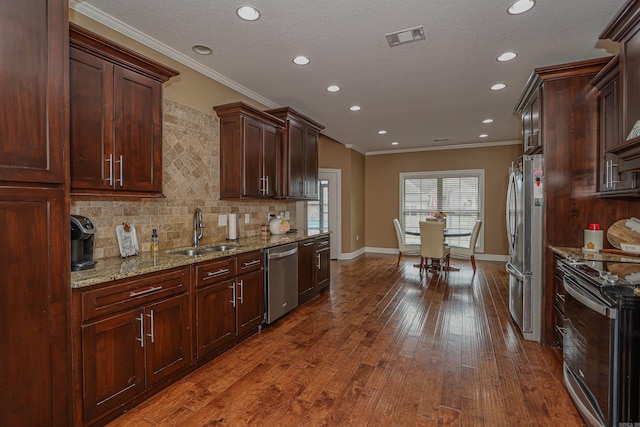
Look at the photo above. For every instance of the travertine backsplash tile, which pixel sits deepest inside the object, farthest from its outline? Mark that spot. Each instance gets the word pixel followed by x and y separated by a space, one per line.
pixel 191 166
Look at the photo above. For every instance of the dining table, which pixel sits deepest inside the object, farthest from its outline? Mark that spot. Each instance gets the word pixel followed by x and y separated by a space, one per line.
pixel 448 232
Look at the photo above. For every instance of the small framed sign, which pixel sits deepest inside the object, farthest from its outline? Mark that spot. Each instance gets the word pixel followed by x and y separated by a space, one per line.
pixel 127 240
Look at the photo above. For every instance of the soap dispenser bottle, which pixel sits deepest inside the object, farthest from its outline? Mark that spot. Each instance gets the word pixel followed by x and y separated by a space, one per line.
pixel 154 241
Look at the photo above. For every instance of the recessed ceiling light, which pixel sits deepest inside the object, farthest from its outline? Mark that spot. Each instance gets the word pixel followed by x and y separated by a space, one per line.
pixel 483 135
pixel 487 121
pixel 507 56
pixel 355 108
pixel 498 86
pixel 520 6
pixel 333 88
pixel 395 143
pixel 301 60
pixel 201 49
pixel 382 132
pixel 248 13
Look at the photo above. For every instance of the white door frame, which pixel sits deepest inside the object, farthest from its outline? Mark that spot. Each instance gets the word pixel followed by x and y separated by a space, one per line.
pixel 334 176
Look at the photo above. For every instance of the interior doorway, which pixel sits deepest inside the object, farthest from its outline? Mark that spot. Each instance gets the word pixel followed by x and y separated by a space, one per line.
pixel 324 215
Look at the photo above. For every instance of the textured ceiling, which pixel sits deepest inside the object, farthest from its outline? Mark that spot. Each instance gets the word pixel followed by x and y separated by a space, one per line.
pixel 418 92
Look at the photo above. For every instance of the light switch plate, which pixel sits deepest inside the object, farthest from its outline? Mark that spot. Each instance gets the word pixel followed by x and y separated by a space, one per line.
pixel 222 220
pixel 247 218
pixel 287 216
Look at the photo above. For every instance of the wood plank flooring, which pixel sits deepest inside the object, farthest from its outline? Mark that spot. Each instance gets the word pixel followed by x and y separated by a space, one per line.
pixel 384 347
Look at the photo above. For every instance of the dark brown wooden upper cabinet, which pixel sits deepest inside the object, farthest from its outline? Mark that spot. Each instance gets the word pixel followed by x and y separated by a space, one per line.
pixel 529 109
pixel 250 152
pixel 32 124
pixel 115 117
pixel 300 164
pixel 613 182
pixel 625 29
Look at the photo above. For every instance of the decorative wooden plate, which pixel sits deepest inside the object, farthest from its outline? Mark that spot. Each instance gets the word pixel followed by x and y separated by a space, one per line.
pixel 620 233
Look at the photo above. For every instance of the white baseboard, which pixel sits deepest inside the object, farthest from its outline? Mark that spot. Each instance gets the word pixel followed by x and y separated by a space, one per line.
pixel 352 255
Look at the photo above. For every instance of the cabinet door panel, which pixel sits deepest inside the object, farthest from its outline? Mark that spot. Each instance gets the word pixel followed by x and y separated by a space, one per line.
pixel 167 338
pixel 271 160
pixel 215 318
pixel 296 163
pixel 249 302
pixel 631 84
pixel 324 268
pixel 306 270
pixel 253 173
pixel 34 86
pixel 112 362
pixel 34 290
pixel 311 165
pixel 138 132
pixel 91 121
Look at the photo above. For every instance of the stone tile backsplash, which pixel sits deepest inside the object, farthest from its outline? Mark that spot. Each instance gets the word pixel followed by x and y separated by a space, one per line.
pixel 191 162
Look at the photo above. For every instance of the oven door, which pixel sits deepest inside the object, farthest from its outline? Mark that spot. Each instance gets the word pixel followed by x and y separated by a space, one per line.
pixel 587 351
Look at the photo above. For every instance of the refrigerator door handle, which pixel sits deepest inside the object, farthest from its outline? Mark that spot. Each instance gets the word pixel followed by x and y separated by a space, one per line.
pixel 514 272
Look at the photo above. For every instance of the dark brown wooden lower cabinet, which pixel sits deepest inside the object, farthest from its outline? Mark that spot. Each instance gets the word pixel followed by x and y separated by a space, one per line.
pixel 306 270
pixel 34 293
pixel 323 258
pixel 134 333
pixel 216 318
pixel 113 362
pixel 249 303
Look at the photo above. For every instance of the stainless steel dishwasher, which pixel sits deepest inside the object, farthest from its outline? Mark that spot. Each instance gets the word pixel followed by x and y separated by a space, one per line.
pixel 281 279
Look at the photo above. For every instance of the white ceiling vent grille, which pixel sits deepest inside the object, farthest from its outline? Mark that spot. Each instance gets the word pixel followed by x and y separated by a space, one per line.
pixel 405 36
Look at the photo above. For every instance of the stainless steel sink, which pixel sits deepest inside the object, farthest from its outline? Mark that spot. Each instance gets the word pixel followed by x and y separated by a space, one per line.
pixel 204 250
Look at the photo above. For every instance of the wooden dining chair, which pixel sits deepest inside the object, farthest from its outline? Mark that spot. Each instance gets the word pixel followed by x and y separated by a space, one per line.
pixel 468 252
pixel 432 246
pixel 407 249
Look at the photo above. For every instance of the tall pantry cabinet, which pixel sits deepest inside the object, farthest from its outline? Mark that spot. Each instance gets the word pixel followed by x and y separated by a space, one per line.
pixel 34 217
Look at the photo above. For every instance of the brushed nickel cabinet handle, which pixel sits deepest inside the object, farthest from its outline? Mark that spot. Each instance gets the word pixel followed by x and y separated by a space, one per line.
pixel 141 339
pixel 146 291
pixel 151 335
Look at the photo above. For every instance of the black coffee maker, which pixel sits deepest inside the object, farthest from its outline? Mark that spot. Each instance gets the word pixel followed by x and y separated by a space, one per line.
pixel 82 232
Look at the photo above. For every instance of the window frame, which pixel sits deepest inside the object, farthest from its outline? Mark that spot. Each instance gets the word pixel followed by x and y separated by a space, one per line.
pixel 461 173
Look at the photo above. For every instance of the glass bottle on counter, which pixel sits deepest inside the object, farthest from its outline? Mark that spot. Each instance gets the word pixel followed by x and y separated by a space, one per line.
pixel 154 242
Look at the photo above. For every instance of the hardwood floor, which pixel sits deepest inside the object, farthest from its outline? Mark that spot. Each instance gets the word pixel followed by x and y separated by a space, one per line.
pixel 383 347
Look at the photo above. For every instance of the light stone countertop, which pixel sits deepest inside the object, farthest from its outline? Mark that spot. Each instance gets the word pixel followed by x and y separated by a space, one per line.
pixel 115 268
pixel 594 256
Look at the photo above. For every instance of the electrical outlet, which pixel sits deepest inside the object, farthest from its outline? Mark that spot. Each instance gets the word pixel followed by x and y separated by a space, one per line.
pixel 287 215
pixel 222 220
pixel 247 218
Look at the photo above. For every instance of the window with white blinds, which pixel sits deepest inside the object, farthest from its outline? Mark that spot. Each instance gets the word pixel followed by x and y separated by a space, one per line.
pixel 459 195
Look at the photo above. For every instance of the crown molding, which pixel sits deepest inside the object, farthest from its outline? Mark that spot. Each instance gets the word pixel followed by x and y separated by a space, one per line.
pixel 446 147
pixel 127 30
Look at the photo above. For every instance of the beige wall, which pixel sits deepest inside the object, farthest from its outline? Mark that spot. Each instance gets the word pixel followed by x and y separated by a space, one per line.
pixel 382 198
pixel 334 155
pixel 189 88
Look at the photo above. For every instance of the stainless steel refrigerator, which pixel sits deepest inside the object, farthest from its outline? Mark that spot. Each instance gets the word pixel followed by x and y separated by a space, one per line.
pixel 525 208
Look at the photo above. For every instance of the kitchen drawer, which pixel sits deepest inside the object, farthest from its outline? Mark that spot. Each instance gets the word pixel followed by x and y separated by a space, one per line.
pixel 322 243
pixel 250 261
pixel 127 293
pixel 215 271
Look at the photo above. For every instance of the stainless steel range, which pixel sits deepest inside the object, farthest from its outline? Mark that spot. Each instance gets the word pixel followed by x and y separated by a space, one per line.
pixel 601 344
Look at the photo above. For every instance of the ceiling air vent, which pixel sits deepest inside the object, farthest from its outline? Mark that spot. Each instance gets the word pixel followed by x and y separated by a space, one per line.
pixel 405 36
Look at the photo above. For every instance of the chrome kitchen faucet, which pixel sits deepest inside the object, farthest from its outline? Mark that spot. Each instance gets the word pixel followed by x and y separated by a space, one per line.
pixel 198 227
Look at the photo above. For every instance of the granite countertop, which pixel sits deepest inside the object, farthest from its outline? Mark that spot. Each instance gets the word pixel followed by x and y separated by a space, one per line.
pixel 580 254
pixel 110 269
